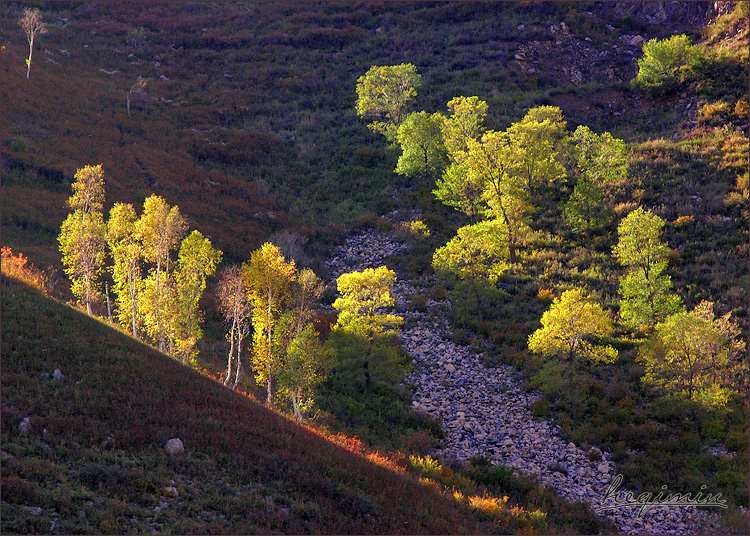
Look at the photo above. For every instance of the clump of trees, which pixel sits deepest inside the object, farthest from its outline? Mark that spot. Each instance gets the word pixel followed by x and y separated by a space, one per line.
pixel 501 178
pixel 33 26
pixel 287 354
pixel 159 273
pixel 496 176
pixel 160 269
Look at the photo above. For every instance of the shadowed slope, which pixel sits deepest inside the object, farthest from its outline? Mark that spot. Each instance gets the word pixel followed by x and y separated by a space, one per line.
pixel 93 457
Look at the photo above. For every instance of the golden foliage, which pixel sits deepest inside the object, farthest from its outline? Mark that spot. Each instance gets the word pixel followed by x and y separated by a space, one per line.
pixel 17 266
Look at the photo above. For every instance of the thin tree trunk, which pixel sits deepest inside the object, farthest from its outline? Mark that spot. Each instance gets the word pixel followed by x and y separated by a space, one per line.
pixel 28 66
pixel 127 99
pixel 133 303
pixel 269 384
pixel 109 305
pixel 231 352
pixel 239 359
pixel 88 296
pixel 158 305
pixel 269 390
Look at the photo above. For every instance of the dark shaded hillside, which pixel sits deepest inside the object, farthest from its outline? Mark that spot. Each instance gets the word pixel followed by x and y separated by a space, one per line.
pixel 93 460
pixel 249 113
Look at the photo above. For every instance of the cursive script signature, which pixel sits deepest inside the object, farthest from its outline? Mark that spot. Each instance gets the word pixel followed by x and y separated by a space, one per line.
pixel 614 498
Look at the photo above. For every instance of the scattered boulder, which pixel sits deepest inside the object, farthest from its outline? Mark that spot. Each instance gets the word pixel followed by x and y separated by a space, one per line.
pixel 25 426
pixel 558 467
pixel 174 447
pixel 57 375
pixel 170 491
pixel 594 454
pixel 34 510
pixel 108 443
pixel 632 40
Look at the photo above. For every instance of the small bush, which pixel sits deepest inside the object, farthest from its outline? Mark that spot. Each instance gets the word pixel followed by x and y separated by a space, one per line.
pixel 666 63
pixel 17 266
pixel 714 113
pixel 415 229
pixel 540 408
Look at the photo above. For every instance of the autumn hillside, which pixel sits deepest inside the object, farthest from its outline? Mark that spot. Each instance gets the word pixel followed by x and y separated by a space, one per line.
pixel 93 454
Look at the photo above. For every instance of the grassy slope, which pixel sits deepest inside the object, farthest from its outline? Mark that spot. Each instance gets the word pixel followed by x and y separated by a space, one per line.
pixel 94 455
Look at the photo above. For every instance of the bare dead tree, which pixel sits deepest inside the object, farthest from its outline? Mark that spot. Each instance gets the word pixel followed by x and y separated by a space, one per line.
pixel 236 308
pixel 32 24
pixel 137 91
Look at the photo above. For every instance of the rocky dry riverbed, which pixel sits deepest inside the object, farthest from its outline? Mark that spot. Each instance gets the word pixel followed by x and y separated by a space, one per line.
pixel 486 411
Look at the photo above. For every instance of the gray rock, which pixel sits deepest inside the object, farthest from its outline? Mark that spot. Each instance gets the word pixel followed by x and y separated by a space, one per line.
pixel 174 447
pixel 25 425
pixel 170 491
pixel 57 375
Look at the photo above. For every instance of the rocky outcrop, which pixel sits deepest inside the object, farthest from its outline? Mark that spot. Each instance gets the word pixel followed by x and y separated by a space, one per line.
pixel 487 411
pixel 672 14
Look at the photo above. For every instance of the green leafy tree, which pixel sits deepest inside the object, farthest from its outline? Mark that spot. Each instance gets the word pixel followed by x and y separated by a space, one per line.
pixel 490 183
pixel 88 189
pixel 645 289
pixel 465 122
pixel 456 189
pixel 305 367
pixel 572 327
pixel 384 93
pixel 127 275
pixel 83 251
pixel 422 150
pixel 646 298
pixel 640 243
pixel 362 296
pixel 196 262
pixel 159 229
pixel 269 278
pixel 478 252
pixel 695 355
pixel 586 209
pixel 494 175
pixel 82 235
pixel 539 146
pixel 600 158
pixel 666 63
